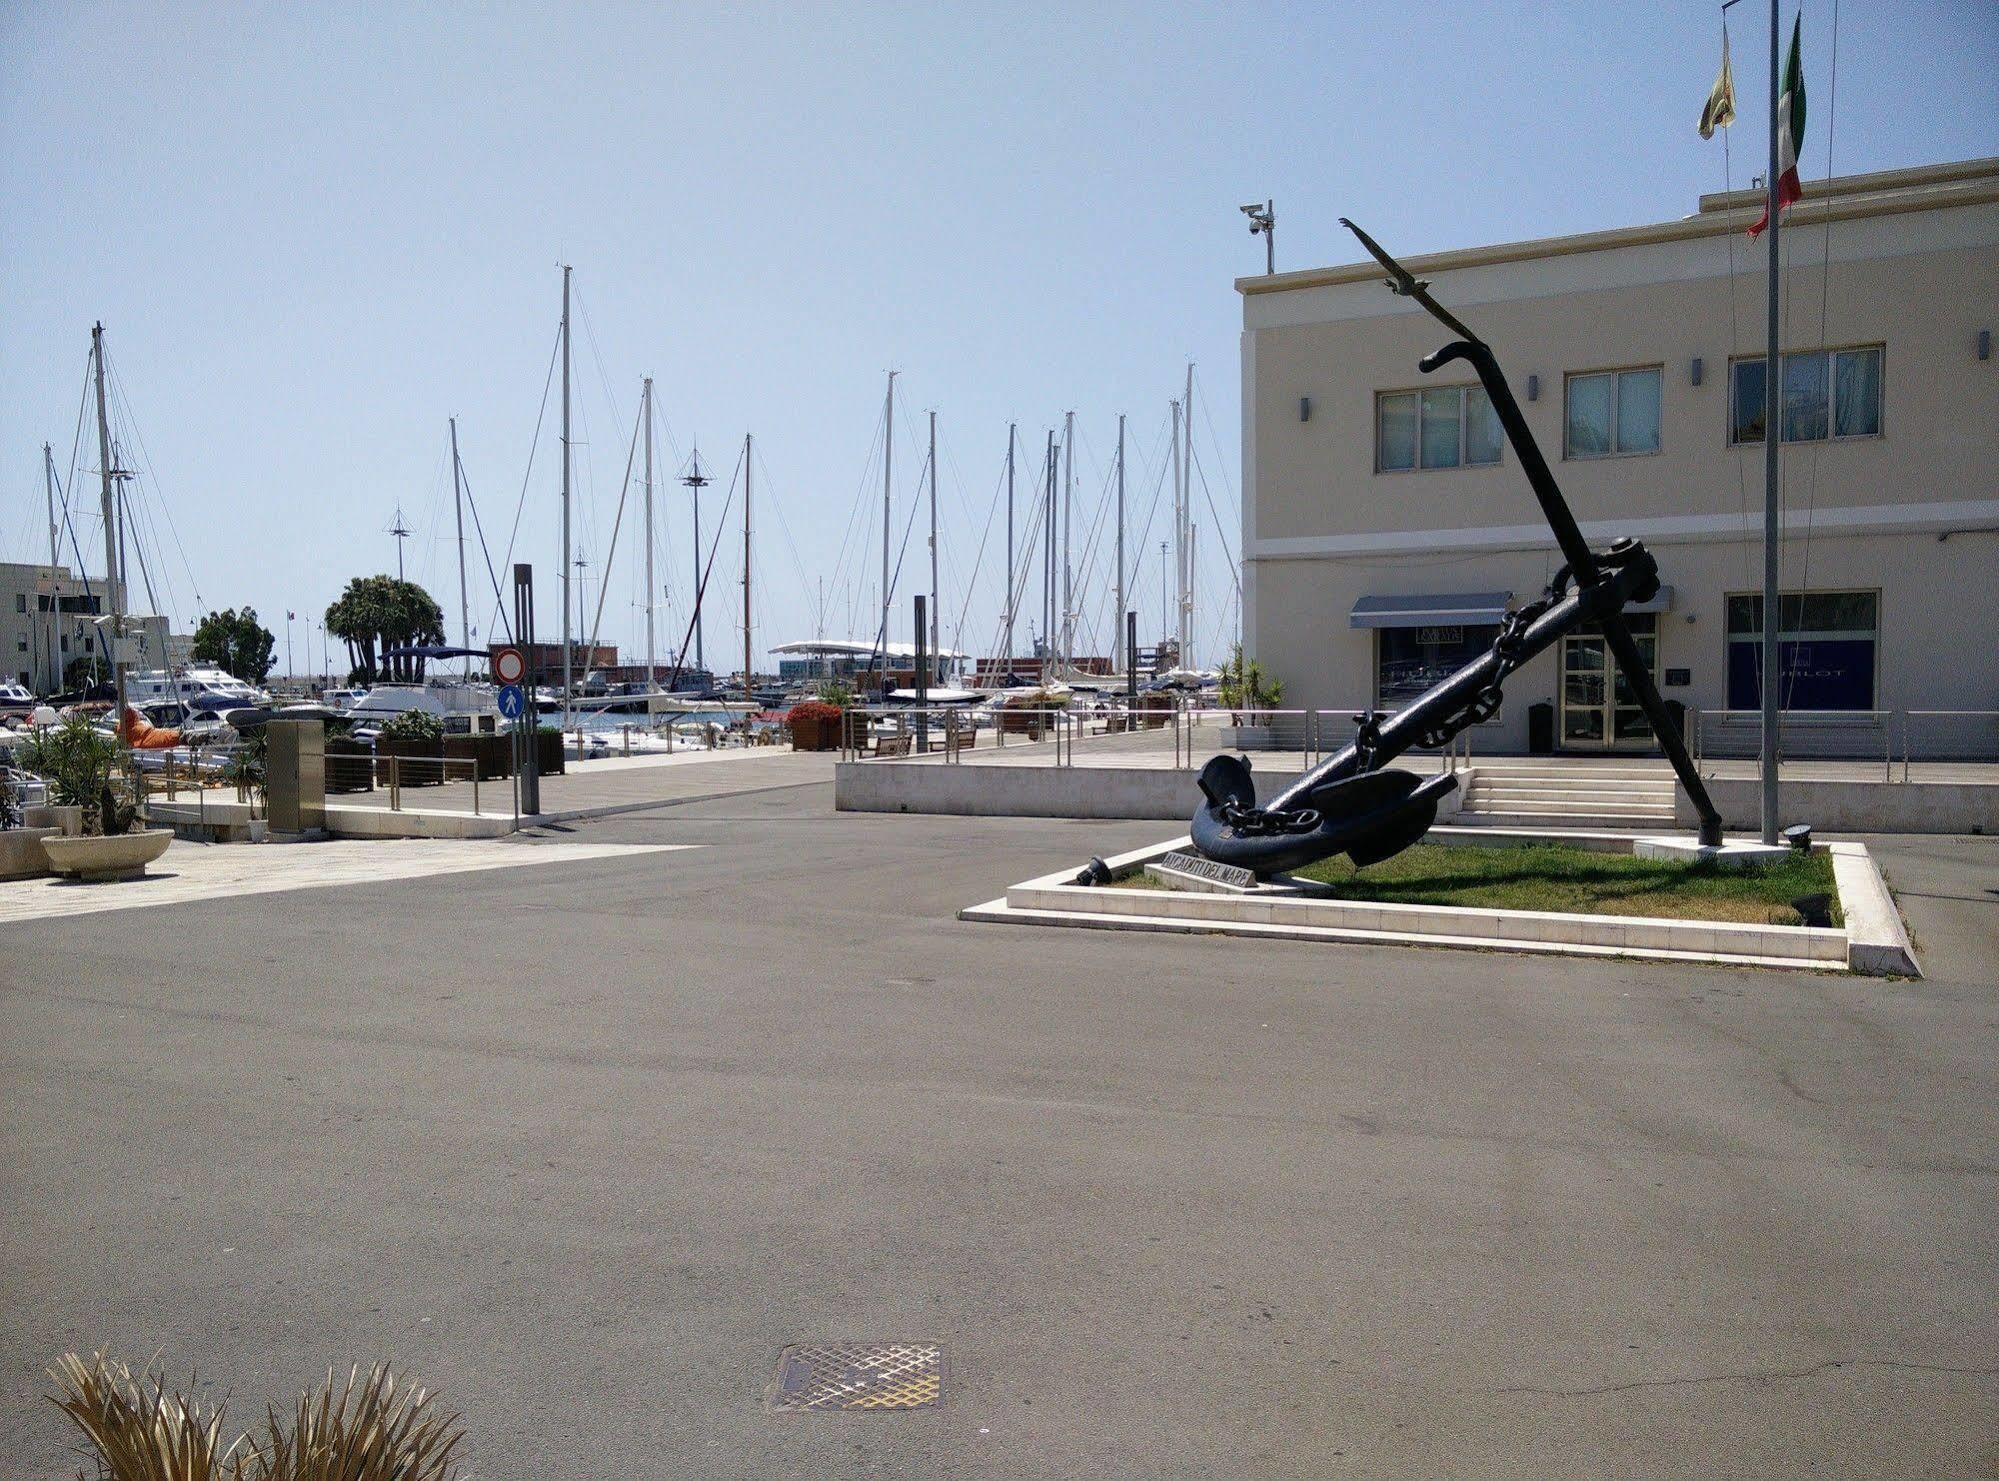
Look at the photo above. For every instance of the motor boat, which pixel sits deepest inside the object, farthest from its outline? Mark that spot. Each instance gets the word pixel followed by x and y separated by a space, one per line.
pixel 199 686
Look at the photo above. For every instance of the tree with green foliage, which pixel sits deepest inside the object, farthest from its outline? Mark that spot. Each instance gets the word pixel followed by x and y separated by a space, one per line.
pixel 237 643
pixel 378 613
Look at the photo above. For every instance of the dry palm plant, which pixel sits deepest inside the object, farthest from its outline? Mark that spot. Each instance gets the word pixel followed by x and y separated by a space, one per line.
pixel 365 1430
pixel 374 1433
pixel 140 1431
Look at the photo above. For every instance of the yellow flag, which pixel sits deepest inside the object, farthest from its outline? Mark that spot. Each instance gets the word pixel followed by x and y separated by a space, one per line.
pixel 1720 110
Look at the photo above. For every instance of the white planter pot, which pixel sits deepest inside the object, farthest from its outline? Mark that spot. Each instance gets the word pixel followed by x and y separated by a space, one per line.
pixel 21 855
pixel 68 821
pixel 120 856
pixel 1246 737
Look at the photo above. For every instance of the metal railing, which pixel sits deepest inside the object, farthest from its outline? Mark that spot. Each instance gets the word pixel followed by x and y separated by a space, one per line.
pixel 1192 733
pixel 398 772
pixel 1849 735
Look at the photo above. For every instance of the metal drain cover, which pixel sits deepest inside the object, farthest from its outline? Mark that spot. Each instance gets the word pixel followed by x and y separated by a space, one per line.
pixel 860 1375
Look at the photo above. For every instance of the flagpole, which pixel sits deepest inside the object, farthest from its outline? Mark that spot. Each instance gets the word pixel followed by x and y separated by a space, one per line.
pixel 1773 435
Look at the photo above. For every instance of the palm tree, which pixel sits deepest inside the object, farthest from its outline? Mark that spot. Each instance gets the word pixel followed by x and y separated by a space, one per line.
pixel 377 614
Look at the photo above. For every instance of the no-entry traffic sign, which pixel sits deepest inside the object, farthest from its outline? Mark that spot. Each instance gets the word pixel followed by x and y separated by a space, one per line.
pixel 509 666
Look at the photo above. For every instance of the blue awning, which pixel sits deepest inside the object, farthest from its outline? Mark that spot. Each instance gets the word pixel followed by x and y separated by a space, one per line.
pixel 1466 608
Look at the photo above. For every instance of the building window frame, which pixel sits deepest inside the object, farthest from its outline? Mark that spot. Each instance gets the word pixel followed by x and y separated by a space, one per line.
pixel 1792 634
pixel 1829 354
pixel 1616 375
pixel 1464 392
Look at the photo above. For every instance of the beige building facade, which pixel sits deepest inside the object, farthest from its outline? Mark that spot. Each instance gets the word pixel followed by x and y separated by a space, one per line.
pixel 1386 527
pixel 49 619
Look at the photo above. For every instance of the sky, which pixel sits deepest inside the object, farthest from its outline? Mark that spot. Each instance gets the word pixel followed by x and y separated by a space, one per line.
pixel 315 232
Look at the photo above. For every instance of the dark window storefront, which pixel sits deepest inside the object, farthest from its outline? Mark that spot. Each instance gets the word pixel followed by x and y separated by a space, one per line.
pixel 1826 644
pixel 1409 660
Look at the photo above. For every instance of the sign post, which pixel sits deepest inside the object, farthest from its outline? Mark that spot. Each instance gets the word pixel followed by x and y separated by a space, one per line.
pixel 527 730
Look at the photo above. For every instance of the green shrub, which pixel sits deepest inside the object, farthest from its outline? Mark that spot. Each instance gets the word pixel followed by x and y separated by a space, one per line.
pixel 414 725
pixel 76 761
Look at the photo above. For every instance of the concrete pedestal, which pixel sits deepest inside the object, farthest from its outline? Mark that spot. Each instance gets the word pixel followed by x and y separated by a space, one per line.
pixel 1734 854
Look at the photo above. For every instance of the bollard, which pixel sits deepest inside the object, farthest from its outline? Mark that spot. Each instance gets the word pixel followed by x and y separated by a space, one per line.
pixel 475 786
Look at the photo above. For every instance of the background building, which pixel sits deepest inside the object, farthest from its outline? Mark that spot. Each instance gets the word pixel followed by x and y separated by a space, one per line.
pixel 48 620
pixel 1386 526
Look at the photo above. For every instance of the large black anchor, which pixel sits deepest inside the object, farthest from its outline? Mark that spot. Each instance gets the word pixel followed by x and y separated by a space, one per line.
pixel 1350 803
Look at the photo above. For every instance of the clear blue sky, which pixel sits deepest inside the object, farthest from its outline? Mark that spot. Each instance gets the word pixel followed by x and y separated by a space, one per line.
pixel 314 232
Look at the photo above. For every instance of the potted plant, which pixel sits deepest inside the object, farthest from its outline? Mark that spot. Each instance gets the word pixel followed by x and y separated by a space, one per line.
pixel 79 762
pixel 416 736
pixel 548 755
pixel 814 725
pixel 1249 695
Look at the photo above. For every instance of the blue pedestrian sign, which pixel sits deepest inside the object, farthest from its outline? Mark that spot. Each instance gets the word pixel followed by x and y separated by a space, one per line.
pixel 513 701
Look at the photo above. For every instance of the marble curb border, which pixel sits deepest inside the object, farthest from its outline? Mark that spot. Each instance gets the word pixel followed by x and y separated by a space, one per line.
pixel 1872 942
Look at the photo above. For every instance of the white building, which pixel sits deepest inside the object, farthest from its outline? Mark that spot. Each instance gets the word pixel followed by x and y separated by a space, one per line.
pixel 1386 528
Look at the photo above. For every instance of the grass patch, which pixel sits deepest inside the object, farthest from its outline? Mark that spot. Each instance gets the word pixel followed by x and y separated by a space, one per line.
pixel 1576 881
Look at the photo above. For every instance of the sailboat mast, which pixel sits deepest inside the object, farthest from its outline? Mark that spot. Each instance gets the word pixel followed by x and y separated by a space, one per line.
pixel 458 511
pixel 933 540
pixel 1011 428
pixel 1048 550
pixel 111 530
pixel 567 654
pixel 1173 629
pixel 55 561
pixel 888 470
pixel 1186 633
pixel 652 676
pixel 1068 529
pixel 1119 624
pixel 749 696
pixel 696 481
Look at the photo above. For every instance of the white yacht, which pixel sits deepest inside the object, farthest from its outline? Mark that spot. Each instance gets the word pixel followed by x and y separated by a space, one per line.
pixel 460 706
pixel 199 686
pixel 16 697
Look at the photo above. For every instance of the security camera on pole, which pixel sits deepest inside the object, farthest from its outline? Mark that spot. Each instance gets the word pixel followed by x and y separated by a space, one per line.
pixel 1263 221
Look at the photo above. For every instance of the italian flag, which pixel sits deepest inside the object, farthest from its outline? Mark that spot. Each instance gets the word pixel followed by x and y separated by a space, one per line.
pixel 1790 129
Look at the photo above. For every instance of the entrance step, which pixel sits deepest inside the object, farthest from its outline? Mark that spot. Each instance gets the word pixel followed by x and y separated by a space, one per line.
pixel 1557 791
pixel 1648 822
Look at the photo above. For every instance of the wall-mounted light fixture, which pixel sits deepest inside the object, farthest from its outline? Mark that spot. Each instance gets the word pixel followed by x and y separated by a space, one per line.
pixel 1696 370
pixel 1304 408
pixel 1533 388
pixel 1985 344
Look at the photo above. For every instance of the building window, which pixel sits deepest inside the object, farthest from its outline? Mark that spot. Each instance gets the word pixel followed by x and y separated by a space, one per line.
pixel 1827 394
pixel 1408 660
pixel 1825 643
pixel 20 645
pixel 1450 427
pixel 1612 413
pixel 20 601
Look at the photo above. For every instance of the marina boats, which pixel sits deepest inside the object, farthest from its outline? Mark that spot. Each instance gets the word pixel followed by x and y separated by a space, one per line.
pixel 199 687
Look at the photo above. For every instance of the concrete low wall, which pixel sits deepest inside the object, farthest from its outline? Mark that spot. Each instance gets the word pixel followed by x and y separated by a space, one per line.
pixel 1857 807
pixel 1016 791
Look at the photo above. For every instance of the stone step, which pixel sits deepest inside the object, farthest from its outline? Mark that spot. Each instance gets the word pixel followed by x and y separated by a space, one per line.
pixel 1601 773
pixel 1594 797
pixel 1572 809
pixel 1583 822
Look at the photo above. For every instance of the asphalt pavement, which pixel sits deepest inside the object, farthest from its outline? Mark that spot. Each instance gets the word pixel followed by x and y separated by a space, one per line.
pixel 584 1146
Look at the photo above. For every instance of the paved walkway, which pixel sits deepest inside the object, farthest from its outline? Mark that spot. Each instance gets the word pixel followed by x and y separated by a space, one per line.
pixel 207 871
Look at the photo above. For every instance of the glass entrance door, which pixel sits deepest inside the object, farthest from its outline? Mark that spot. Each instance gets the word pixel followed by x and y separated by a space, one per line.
pixel 1599 711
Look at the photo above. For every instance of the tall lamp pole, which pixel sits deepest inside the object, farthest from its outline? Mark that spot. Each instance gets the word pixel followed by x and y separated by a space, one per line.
pixel 1773 601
